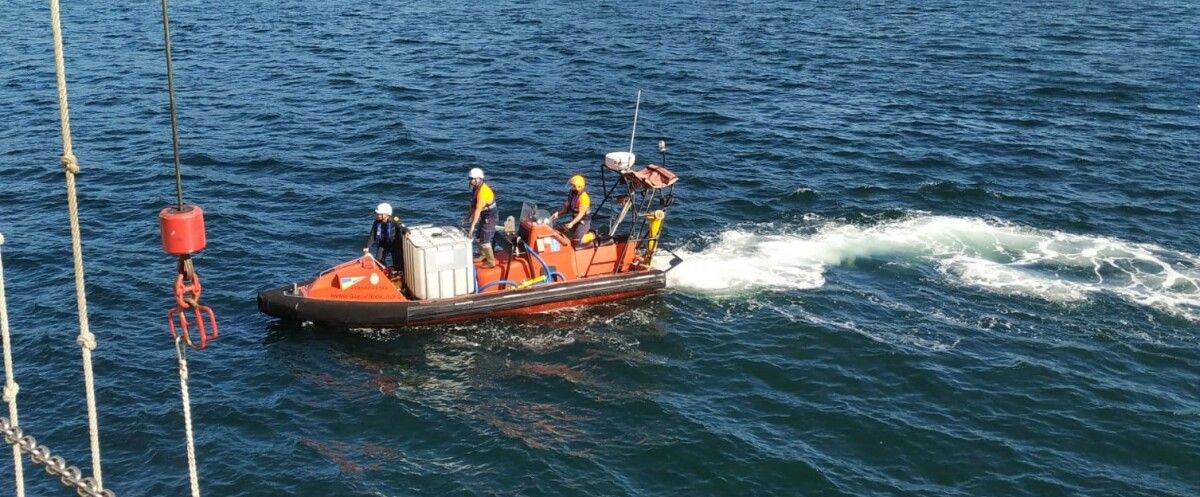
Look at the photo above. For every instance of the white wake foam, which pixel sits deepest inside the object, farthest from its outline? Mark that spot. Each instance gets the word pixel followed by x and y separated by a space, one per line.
pixel 994 256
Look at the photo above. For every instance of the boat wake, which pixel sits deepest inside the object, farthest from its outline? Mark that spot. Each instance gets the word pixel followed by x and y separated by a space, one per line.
pixel 996 256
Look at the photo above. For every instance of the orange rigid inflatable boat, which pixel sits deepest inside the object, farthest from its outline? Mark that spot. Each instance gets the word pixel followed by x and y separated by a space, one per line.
pixel 537 268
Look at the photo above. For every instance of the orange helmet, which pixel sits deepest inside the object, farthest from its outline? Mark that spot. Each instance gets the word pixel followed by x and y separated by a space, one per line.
pixel 577 181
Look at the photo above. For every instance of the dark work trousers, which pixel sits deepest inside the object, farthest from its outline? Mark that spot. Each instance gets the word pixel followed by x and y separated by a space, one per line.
pixel 487 227
pixel 395 251
pixel 581 228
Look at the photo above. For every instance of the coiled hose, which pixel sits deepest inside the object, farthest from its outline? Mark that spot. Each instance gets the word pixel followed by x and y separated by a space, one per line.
pixel 494 283
pixel 545 268
pixel 550 275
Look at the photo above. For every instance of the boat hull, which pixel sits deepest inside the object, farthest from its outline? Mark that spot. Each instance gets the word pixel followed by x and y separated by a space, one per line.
pixel 286 304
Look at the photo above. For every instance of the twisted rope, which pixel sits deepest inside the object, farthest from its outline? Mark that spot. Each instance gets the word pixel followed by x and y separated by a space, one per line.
pixel 194 479
pixel 86 340
pixel 10 386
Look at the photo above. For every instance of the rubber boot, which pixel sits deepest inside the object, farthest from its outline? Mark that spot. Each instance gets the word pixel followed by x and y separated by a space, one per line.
pixel 489 258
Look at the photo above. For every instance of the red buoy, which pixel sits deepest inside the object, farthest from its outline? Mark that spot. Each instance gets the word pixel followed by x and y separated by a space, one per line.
pixel 182 231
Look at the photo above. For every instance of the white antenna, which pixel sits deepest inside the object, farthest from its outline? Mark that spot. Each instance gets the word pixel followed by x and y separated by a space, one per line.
pixel 635 114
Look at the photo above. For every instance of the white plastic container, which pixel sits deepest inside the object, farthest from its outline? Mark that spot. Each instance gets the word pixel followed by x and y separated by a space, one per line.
pixel 437 262
pixel 619 161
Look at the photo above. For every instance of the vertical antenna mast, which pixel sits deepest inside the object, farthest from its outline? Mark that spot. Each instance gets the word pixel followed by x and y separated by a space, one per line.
pixel 636 106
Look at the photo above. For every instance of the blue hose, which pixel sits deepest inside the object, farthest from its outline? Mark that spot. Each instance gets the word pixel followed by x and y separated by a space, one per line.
pixel 550 275
pixel 545 269
pixel 497 282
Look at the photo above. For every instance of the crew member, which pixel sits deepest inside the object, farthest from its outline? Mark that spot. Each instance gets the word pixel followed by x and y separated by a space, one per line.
pixel 386 236
pixel 483 214
pixel 578 204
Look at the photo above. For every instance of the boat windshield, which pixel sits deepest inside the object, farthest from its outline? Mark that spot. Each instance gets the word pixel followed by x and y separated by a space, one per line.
pixel 531 213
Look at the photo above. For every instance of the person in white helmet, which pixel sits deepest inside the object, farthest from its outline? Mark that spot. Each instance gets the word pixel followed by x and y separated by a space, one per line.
pixel 386 236
pixel 483 213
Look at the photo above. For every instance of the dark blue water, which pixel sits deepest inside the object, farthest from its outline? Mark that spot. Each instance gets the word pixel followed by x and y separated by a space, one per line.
pixel 942 249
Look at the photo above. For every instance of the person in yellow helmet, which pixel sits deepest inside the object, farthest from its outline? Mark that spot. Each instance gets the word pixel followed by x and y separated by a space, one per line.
pixel 484 214
pixel 578 204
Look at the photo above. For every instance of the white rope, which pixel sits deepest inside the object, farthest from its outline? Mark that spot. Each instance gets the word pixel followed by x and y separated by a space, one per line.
pixel 86 340
pixel 187 415
pixel 10 385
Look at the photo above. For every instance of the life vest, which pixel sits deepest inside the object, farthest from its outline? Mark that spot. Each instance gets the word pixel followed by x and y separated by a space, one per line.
pixel 579 201
pixel 385 231
pixel 484 195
